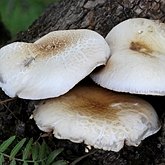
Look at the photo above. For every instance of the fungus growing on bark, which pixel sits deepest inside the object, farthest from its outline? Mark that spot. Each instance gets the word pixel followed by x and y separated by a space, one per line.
pixel 137 63
pixel 97 117
pixel 52 65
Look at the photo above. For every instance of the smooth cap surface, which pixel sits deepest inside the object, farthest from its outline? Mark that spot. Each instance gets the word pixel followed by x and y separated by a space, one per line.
pixel 137 64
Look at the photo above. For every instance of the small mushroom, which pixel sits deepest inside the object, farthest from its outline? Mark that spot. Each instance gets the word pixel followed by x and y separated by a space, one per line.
pixel 52 65
pixel 137 63
pixel 97 117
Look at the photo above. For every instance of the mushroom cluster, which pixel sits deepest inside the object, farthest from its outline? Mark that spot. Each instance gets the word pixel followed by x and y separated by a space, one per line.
pixel 55 63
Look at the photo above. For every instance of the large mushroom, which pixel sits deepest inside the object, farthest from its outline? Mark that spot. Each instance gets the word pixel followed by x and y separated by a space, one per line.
pixel 97 117
pixel 52 65
pixel 137 63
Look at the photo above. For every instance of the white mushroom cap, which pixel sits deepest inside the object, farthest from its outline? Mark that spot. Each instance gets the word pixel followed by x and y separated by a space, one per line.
pixel 98 117
pixel 137 64
pixel 52 65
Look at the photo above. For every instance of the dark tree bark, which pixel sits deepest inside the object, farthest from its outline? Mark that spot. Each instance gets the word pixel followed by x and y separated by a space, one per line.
pixel 4 34
pixel 102 16
pixel 98 15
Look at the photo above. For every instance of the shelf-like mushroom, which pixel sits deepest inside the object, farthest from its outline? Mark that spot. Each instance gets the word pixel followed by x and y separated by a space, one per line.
pixel 97 117
pixel 52 65
pixel 137 63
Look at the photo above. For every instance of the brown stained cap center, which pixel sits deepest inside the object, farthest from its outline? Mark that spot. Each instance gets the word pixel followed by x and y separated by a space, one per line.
pixel 53 46
pixel 98 103
pixel 48 47
pixel 91 107
pixel 141 47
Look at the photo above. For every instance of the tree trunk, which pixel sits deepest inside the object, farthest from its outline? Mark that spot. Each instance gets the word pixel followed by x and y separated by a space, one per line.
pixel 102 16
pixel 98 15
pixel 4 34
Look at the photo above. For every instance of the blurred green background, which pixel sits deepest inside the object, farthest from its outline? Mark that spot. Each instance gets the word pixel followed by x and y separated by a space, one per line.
pixel 17 15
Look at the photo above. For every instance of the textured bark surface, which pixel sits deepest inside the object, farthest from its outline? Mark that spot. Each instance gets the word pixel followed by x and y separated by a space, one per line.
pixel 101 16
pixel 4 34
pixel 98 15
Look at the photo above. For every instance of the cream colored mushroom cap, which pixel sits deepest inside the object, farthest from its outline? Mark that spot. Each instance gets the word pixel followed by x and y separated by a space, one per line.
pixel 137 64
pixel 97 117
pixel 52 65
